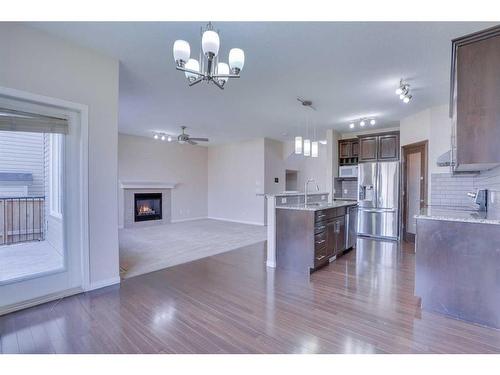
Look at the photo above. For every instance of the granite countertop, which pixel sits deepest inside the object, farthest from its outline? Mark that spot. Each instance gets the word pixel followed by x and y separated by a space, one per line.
pixel 294 194
pixel 459 214
pixel 318 207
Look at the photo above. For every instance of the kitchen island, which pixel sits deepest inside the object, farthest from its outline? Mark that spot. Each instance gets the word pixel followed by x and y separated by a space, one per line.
pixel 457 269
pixel 310 236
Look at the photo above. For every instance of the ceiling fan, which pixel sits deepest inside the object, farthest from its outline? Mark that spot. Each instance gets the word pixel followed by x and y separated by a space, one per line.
pixel 185 138
pixel 306 103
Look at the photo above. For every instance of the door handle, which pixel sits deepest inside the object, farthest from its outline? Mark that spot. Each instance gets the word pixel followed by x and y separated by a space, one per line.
pixel 320 242
pixel 319 258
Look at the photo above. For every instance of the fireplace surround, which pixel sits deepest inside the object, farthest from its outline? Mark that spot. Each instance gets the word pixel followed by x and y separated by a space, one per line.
pixel 147 206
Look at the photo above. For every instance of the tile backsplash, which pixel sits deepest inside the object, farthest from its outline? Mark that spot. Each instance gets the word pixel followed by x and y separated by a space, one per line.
pixel 448 190
pixel 346 188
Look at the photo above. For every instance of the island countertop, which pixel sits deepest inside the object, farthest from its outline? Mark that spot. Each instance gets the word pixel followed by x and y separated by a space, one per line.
pixel 459 214
pixel 317 206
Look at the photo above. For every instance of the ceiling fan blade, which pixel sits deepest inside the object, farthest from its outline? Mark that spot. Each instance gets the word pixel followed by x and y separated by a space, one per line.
pixel 312 107
pixel 300 99
pixel 199 139
pixel 191 142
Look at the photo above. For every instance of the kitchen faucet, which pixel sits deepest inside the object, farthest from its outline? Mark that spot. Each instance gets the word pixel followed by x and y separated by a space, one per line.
pixel 305 189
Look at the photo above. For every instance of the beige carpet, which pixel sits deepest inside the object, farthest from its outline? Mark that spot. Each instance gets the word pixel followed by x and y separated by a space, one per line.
pixel 148 249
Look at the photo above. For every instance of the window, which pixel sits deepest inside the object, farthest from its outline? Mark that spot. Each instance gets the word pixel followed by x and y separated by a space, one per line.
pixel 55 176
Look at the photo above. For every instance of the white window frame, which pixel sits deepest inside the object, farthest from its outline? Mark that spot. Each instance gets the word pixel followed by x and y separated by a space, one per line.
pixel 56 175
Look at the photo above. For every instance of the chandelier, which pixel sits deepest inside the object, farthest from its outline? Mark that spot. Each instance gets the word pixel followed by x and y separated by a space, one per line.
pixel 208 68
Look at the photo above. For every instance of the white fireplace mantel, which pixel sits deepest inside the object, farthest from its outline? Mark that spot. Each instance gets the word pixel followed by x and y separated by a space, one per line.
pixel 147 185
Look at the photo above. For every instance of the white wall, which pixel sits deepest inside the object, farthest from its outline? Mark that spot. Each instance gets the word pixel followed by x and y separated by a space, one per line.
pixel 235 177
pixel 36 62
pixel 432 124
pixel 308 167
pixel 273 167
pixel 146 159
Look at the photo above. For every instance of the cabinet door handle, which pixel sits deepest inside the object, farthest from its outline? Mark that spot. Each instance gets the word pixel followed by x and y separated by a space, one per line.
pixel 321 227
pixel 320 242
pixel 323 215
pixel 321 257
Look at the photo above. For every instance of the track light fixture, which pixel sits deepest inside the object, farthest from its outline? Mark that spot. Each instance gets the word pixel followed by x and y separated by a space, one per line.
pixel 404 91
pixel 162 136
pixel 362 122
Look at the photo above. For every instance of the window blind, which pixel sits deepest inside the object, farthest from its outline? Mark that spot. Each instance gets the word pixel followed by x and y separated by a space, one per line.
pixel 18 121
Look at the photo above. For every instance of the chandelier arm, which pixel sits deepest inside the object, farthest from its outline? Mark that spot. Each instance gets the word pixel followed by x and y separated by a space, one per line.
pixel 197 80
pixel 217 84
pixel 226 76
pixel 190 71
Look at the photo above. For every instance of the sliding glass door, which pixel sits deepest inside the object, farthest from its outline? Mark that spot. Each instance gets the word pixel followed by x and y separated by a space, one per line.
pixel 40 204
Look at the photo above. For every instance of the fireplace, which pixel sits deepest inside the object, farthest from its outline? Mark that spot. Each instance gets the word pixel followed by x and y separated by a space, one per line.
pixel 147 206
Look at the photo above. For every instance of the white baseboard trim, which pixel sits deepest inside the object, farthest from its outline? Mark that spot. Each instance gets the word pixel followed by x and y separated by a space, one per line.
pixel 38 301
pixel 188 219
pixel 237 221
pixel 104 283
pixel 271 264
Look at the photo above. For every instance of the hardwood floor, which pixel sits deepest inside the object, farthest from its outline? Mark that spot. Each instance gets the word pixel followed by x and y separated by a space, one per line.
pixel 230 303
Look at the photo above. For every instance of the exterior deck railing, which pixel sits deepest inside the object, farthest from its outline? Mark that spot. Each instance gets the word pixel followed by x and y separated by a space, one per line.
pixel 21 219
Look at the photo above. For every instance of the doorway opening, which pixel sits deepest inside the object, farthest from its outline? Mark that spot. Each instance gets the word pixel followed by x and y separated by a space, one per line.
pixel 414 186
pixel 291 180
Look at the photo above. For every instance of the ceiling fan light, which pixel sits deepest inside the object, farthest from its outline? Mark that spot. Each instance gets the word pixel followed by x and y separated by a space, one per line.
pixel 314 149
pixel 399 91
pixel 210 43
pixel 182 51
pixel 236 59
pixel 351 125
pixel 192 64
pixel 298 145
pixel 307 147
pixel 362 123
pixel 407 98
pixel 223 68
pixel 163 137
pixel 373 122
pixel 155 136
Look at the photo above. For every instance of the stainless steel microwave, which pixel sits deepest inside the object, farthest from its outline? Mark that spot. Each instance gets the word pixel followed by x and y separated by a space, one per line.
pixel 348 171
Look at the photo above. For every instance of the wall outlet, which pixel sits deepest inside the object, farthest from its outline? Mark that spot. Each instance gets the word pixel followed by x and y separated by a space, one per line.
pixel 283 200
pixel 345 191
pixel 276 180
pixel 323 197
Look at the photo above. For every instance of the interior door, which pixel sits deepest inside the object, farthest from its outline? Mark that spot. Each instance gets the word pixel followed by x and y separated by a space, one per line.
pixel 414 186
pixel 39 287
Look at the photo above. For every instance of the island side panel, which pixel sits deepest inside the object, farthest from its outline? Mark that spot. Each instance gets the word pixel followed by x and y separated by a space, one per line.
pixel 295 240
pixel 457 270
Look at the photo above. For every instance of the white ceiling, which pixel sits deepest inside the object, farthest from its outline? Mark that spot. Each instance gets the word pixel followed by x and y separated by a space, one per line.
pixel 348 69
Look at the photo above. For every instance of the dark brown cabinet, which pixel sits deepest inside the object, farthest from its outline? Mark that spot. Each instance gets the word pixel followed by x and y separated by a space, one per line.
pixel 475 100
pixel 348 151
pixel 368 148
pixel 388 147
pixel 306 240
pixel 379 147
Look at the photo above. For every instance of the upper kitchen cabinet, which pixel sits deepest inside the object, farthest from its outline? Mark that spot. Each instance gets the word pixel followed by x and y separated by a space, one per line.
pixel 475 101
pixel 348 151
pixel 379 147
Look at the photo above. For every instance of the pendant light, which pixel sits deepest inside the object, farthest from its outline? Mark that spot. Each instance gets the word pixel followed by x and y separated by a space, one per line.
pixel 298 145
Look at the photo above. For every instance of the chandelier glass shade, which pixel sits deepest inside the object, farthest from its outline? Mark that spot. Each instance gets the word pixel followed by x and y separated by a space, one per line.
pixel 314 149
pixel 307 147
pixel 208 68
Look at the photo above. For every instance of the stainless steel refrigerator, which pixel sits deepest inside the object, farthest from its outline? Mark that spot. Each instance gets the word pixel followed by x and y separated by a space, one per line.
pixel 378 199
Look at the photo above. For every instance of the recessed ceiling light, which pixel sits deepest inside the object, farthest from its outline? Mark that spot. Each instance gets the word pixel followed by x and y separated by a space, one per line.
pixel 155 136
pixel 362 123
pixel 163 137
pixel 372 122
pixel 351 125
pixel 169 138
